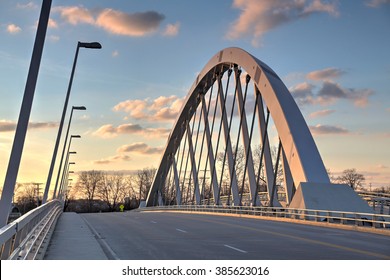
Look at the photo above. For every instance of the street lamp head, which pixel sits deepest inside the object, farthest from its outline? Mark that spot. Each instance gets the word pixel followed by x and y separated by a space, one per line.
pixel 71 172
pixel 73 153
pixel 79 108
pixel 75 136
pixel 71 163
pixel 92 45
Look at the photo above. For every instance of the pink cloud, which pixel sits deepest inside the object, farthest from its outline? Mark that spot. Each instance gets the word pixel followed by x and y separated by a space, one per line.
pixel 329 93
pixel 13 29
pixel 325 74
pixel 321 113
pixel 259 16
pixel 172 30
pixel 141 148
pixel 161 109
pixel 112 159
pixel 137 24
pixel 110 131
pixel 113 21
pixel 10 126
pixel 321 129
pixel 75 14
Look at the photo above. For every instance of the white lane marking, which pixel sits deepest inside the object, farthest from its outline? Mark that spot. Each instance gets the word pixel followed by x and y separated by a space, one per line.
pixel 234 248
pixel 153 222
pixel 181 230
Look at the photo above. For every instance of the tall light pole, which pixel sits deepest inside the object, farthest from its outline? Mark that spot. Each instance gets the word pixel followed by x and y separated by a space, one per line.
pixel 63 151
pixel 65 182
pixel 66 162
pixel 93 45
pixel 24 115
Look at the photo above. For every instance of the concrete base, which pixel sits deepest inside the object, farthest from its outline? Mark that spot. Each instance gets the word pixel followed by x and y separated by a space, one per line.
pixel 331 197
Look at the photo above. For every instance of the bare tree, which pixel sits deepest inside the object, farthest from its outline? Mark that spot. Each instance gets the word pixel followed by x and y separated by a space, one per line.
pixel 351 178
pixel 143 180
pixel 112 190
pixel 88 183
pixel 25 197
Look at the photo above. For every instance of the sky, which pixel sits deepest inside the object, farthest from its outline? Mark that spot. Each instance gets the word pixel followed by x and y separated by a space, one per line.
pixel 332 55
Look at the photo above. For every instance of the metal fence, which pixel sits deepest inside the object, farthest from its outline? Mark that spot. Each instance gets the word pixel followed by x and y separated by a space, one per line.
pixel 324 216
pixel 25 237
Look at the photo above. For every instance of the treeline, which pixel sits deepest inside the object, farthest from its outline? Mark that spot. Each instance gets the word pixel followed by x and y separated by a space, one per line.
pixel 105 191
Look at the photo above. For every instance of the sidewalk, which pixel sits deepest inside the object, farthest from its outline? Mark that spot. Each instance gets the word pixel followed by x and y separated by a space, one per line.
pixel 73 240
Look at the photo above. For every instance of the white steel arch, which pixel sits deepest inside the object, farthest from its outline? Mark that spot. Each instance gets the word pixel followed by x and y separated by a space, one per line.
pixel 297 153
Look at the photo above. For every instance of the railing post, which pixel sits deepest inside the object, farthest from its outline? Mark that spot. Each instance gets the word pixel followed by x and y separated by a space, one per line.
pixel 357 219
pixel 317 214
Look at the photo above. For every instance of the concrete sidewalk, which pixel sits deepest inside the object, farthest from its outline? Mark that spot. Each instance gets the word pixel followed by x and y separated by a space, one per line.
pixel 72 239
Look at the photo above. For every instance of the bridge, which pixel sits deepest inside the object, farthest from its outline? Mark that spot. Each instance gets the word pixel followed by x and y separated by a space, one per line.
pixel 240 178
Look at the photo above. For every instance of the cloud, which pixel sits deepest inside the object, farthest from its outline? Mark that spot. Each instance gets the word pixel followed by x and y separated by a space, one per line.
pixel 113 21
pixel 113 159
pixel 13 29
pixel 52 23
pixel 137 24
pixel 161 109
pixel 30 5
pixel 141 148
pixel 325 74
pixel 172 30
pixel 303 93
pixel 382 166
pixel 257 17
pixel 54 38
pixel 321 113
pixel 9 126
pixel 75 15
pixel 115 53
pixel 110 131
pixel 377 3
pixel 329 93
pixel 320 129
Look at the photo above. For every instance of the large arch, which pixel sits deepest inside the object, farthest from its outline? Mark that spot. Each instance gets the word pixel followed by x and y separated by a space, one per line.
pixel 299 155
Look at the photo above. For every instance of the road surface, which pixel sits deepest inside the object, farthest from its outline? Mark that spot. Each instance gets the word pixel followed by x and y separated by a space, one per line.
pixel 167 235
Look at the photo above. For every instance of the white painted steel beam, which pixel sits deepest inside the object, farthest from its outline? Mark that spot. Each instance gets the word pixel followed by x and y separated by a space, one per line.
pixel 288 180
pixel 267 158
pixel 193 165
pixel 245 138
pixel 177 184
pixel 210 150
pixel 229 150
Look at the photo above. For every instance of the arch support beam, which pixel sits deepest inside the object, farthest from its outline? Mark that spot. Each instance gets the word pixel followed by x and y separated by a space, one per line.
pixel 299 150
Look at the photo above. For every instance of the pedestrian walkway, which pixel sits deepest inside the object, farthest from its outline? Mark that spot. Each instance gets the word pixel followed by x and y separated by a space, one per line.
pixel 73 240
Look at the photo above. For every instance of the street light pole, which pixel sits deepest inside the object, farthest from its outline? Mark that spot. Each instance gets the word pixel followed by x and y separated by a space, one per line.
pixel 65 179
pixel 24 115
pixel 66 162
pixel 63 150
pixel 93 45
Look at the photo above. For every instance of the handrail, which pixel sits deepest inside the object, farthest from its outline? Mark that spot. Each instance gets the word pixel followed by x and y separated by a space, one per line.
pixel 23 238
pixel 334 217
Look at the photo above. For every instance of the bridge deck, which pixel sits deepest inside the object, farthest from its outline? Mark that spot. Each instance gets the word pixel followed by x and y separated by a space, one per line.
pixel 73 240
pixel 159 236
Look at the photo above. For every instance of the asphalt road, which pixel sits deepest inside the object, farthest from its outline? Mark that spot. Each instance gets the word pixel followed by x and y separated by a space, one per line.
pixel 158 235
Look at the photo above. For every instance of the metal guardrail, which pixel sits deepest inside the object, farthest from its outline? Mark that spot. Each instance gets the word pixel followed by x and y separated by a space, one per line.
pixel 25 237
pixel 335 217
